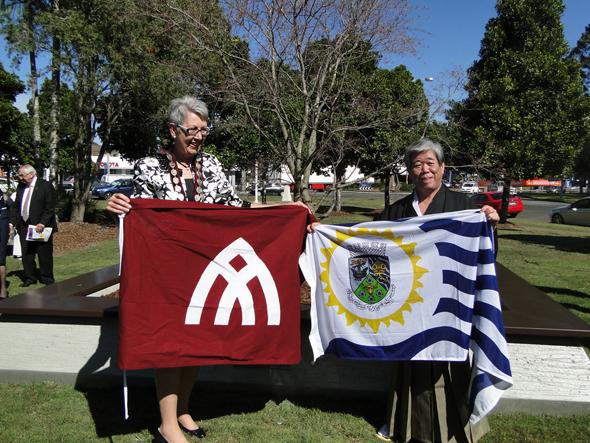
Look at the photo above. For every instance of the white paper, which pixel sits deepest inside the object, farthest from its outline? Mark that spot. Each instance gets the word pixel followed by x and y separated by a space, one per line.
pixel 33 235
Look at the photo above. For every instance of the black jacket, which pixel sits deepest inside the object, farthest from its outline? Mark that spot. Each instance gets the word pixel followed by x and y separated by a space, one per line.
pixel 41 207
pixel 444 201
pixel 4 206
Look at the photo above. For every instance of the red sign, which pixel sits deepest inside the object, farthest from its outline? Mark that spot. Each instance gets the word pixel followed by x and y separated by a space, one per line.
pixel 536 182
pixel 104 165
pixel 210 284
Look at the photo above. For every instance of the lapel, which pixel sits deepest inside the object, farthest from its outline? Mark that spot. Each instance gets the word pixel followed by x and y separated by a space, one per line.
pixel 20 190
pixel 437 205
pixel 34 194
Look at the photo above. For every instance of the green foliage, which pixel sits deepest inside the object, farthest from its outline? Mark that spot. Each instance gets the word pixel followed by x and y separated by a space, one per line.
pixel 398 102
pixel 582 54
pixel 12 122
pixel 525 114
pixel 67 128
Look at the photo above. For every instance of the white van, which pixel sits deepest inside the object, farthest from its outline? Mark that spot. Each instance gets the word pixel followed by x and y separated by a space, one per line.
pixel 470 187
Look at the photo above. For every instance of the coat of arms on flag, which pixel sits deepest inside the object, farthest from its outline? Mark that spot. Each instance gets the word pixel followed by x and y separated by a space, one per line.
pixel 369 277
pixel 418 289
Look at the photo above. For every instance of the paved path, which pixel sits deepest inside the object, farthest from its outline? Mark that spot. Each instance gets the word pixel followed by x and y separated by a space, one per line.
pixel 548 379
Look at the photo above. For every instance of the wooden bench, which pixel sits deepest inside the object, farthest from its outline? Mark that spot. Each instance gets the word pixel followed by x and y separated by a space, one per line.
pixel 68 298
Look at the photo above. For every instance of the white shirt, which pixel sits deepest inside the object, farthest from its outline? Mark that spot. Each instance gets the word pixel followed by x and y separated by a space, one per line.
pixel 416 205
pixel 26 192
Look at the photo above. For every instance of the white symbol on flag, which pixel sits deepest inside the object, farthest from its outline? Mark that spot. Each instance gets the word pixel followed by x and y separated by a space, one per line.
pixel 237 287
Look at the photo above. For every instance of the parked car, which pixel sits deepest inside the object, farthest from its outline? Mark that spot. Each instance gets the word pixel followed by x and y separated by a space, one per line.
pixel 269 189
pixel 577 213
pixel 494 199
pixel 470 187
pixel 105 190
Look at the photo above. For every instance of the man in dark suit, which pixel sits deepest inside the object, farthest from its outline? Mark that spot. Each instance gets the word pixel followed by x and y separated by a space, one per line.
pixel 35 206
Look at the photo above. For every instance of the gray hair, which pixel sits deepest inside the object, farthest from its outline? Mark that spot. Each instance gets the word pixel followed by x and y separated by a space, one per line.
pixel 180 106
pixel 422 145
pixel 28 169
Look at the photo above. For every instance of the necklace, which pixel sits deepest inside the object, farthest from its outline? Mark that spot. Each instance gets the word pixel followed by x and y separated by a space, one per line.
pixel 196 168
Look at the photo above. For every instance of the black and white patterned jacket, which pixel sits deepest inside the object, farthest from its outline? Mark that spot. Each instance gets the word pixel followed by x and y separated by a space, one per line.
pixel 152 179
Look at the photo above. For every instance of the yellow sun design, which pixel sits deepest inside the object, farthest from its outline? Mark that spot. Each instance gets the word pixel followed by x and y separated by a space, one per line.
pixel 413 296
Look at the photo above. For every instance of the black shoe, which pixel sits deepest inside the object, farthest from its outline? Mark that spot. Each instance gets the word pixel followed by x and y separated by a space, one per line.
pixel 159 438
pixel 48 281
pixel 28 283
pixel 199 432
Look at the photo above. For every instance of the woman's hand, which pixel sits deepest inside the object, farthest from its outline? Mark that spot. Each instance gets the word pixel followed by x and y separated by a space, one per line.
pixel 119 204
pixel 311 227
pixel 491 215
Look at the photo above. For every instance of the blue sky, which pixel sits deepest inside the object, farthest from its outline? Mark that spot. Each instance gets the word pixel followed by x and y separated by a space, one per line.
pixel 452 33
pixel 449 39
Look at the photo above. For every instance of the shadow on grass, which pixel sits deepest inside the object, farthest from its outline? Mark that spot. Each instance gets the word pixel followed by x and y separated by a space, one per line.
pixel 574 307
pixel 106 407
pixel 566 244
pixel 563 291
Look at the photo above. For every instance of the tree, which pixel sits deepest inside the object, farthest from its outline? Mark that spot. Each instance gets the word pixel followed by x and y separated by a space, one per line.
pixel 11 120
pixel 20 25
pixel 582 54
pixel 399 102
pixel 282 78
pixel 582 168
pixel 62 133
pixel 101 49
pixel 525 114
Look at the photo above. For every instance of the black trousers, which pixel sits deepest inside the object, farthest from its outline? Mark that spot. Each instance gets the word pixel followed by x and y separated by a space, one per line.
pixel 44 250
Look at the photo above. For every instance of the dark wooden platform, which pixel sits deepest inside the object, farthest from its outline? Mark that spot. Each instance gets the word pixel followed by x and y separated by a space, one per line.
pixel 529 314
pixel 67 298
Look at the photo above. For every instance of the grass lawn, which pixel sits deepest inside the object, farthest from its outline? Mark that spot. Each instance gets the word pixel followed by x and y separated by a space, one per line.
pixel 48 412
pixel 565 198
pixel 555 258
pixel 95 256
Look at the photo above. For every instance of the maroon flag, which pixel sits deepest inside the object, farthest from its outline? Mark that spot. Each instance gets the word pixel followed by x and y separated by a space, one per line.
pixel 209 284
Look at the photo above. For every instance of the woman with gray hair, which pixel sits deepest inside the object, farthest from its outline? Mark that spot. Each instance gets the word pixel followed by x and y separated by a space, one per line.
pixel 429 401
pixel 186 173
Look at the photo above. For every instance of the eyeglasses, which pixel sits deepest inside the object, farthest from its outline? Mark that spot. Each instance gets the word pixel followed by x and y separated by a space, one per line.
pixel 194 131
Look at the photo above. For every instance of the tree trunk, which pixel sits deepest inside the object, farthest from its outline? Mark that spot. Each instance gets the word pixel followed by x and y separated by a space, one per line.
pixel 386 193
pixel 78 211
pixel 53 115
pixel 83 146
pixel 337 192
pixel 33 84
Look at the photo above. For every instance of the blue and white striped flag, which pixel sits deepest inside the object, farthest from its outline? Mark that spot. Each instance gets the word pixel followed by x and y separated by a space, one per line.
pixel 422 288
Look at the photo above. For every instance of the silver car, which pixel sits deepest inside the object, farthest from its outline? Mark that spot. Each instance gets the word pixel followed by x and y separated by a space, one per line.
pixel 577 213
